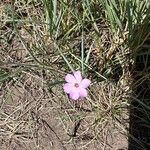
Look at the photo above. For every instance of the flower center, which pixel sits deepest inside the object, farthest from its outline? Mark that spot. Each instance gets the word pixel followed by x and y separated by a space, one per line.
pixel 76 85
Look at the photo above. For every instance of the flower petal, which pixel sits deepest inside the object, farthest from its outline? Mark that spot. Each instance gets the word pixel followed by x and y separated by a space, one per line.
pixel 85 83
pixel 74 95
pixel 67 87
pixel 78 76
pixel 70 78
pixel 83 92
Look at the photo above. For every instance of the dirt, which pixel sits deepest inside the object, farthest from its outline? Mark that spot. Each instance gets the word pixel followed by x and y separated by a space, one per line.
pixel 31 119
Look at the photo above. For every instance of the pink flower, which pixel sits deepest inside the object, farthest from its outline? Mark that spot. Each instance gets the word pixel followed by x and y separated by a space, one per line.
pixel 76 86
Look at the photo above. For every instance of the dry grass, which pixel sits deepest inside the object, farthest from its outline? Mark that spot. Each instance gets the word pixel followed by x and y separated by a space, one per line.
pixel 34 117
pixel 34 111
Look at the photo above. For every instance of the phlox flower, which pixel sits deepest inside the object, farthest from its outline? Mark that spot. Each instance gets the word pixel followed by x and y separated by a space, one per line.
pixel 75 86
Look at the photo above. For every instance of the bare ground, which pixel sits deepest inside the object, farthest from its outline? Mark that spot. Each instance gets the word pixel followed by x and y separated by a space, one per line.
pixel 34 118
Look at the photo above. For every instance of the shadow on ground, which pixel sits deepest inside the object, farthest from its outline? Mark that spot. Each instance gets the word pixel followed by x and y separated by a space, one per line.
pixel 139 128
